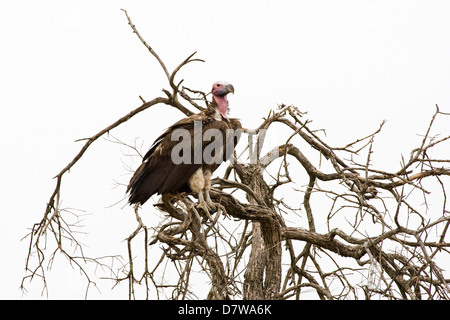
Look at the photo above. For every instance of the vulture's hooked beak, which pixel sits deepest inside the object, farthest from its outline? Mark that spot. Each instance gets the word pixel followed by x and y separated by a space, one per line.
pixel 229 87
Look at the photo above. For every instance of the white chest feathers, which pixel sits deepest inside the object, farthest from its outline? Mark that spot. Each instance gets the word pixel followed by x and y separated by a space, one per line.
pixel 197 181
pixel 217 116
pixel 200 180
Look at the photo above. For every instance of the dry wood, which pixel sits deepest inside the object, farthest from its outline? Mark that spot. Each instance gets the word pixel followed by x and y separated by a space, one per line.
pixel 354 231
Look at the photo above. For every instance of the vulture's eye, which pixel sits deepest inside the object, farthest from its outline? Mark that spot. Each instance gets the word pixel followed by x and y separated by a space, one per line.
pixel 218 85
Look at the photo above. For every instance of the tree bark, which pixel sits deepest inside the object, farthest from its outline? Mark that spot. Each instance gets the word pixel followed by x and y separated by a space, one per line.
pixel 262 279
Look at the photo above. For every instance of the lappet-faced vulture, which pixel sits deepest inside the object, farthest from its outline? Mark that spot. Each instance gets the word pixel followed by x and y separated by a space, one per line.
pixel 183 158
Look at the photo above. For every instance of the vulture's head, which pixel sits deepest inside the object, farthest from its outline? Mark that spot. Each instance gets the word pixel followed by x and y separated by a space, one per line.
pixel 219 91
pixel 222 88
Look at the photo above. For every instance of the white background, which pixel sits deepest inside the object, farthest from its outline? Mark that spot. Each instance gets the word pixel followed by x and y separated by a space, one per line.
pixel 70 68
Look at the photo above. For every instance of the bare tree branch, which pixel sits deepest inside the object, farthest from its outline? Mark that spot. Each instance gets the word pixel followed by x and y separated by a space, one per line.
pixel 351 230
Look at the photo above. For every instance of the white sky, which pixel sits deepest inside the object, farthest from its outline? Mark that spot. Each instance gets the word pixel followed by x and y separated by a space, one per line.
pixel 70 68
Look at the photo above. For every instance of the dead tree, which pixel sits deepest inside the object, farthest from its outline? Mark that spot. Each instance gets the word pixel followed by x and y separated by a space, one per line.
pixel 352 231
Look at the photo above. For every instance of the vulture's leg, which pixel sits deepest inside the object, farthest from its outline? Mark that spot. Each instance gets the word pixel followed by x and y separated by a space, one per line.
pixel 208 199
pixel 219 208
pixel 206 187
pixel 207 205
pixel 197 185
pixel 202 204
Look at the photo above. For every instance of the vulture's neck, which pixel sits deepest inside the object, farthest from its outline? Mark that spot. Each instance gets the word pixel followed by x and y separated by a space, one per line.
pixel 220 106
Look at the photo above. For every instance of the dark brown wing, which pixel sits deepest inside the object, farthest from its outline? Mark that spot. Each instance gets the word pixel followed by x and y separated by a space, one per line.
pixel 158 173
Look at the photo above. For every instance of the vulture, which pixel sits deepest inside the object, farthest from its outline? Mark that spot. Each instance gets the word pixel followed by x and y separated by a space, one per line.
pixel 184 157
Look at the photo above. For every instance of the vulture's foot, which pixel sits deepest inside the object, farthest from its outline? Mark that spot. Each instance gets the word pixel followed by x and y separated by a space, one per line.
pixel 204 206
pixel 207 206
pixel 209 202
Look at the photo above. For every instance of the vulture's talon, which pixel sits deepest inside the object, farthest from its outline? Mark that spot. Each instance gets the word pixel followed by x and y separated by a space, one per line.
pixel 204 206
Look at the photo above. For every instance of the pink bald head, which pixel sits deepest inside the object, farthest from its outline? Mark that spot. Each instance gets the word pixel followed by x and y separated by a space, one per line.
pixel 220 90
